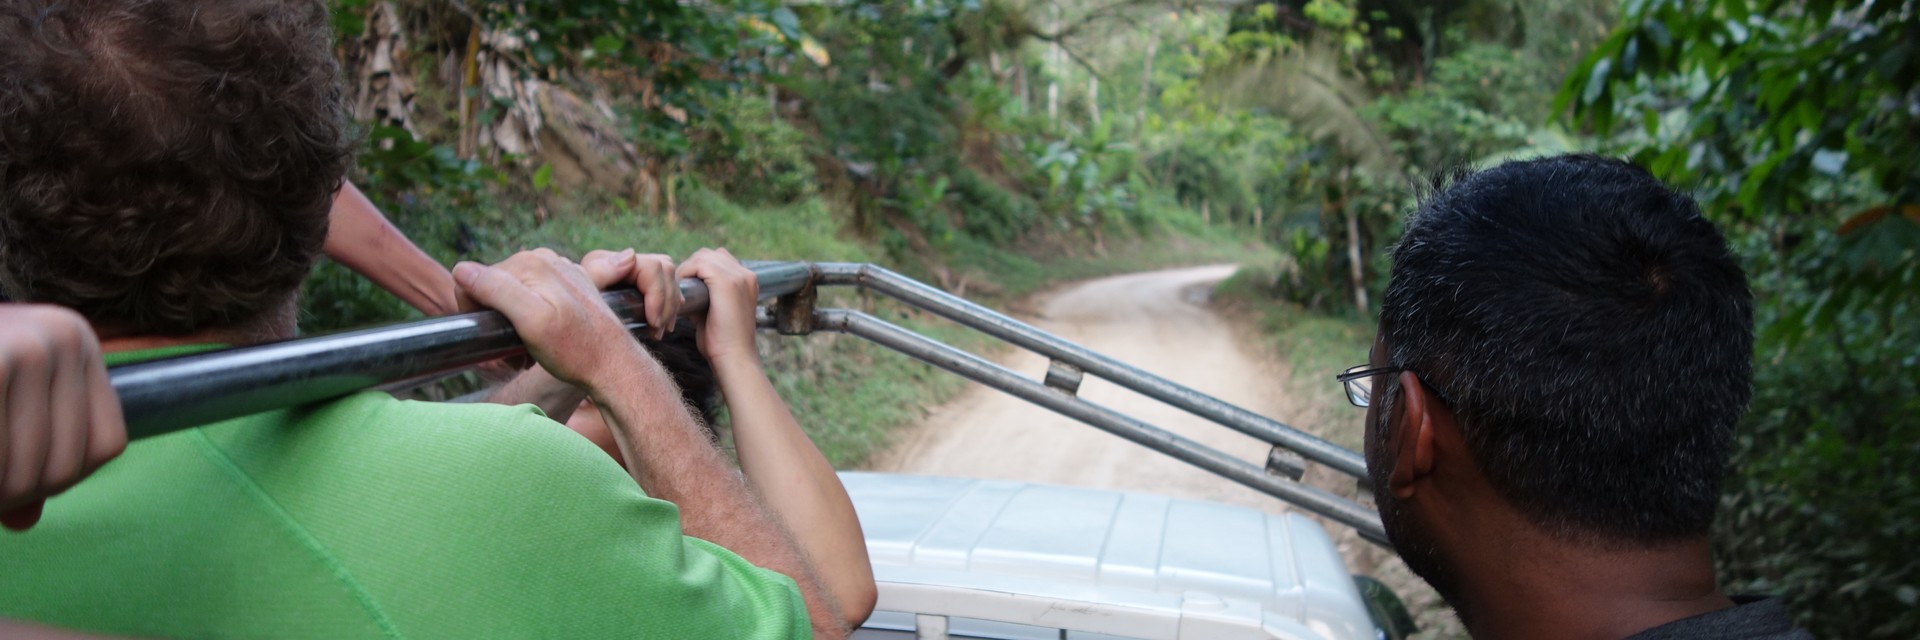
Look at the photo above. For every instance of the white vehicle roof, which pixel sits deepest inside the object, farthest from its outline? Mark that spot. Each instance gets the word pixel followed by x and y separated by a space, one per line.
pixel 1003 559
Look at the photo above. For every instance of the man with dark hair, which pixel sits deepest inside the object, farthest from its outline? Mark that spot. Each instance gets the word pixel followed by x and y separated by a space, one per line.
pixel 166 170
pixel 1564 351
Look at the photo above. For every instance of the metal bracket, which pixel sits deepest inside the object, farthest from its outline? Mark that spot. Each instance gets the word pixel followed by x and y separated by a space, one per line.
pixel 1281 462
pixel 928 626
pixel 1064 376
pixel 793 312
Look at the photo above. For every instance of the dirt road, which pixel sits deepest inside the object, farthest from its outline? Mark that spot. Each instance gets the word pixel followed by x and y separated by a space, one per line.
pixel 1157 321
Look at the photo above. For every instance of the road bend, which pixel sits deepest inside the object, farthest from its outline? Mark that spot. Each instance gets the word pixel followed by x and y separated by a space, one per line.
pixel 1158 321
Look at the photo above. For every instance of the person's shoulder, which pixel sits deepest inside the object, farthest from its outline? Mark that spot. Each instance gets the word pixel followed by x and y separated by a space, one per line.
pixel 474 440
pixel 533 531
pixel 425 450
pixel 423 415
pixel 431 425
pixel 1751 618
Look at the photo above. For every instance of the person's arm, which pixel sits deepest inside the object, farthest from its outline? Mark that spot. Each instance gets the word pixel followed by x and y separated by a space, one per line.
pixel 359 237
pixel 536 387
pixel 781 463
pixel 556 308
pixel 59 417
pixel 363 240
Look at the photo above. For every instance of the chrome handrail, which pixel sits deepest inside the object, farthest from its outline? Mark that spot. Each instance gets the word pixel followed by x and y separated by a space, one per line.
pixel 928 298
pixel 967 365
pixel 162 396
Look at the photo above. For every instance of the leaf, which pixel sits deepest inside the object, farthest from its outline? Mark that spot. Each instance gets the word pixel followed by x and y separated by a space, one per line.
pixel 543 176
pixel 1750 184
pixel 607 44
pixel 1736 9
pixel 1738 32
pixel 1597 81
pixel 1662 38
pixel 1774 95
pixel 1893 63
pixel 1564 97
pixel 788 22
pixel 1830 161
pixel 1807 115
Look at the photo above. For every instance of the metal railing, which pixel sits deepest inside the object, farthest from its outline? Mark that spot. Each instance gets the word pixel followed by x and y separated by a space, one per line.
pixel 167 395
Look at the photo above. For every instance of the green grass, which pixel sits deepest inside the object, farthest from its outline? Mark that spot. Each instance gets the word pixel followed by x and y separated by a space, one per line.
pixel 803 231
pixel 1316 347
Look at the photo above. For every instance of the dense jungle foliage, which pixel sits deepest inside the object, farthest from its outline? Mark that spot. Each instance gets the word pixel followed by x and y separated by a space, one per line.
pixel 988 145
pixel 1796 123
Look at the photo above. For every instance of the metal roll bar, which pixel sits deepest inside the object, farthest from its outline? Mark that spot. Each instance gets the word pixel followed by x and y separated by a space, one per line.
pixel 167 395
pixel 916 294
pixel 886 334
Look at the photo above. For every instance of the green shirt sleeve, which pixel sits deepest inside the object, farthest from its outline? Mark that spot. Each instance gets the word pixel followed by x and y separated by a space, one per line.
pixel 487 521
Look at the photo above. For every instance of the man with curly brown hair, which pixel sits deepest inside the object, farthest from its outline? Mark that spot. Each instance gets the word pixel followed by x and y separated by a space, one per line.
pixel 166 170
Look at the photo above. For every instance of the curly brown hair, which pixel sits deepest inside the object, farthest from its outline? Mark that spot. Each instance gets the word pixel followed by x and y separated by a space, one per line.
pixel 166 168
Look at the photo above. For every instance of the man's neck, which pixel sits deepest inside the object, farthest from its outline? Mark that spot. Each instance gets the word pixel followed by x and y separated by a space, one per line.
pixel 276 323
pixel 143 343
pixel 1546 588
pixel 119 343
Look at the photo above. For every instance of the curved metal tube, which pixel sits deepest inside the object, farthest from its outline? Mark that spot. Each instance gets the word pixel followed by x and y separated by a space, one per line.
pixel 1314 499
pixel 919 295
pixel 163 396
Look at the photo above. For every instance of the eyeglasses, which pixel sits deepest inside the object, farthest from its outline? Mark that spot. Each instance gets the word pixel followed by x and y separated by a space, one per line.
pixel 1358 380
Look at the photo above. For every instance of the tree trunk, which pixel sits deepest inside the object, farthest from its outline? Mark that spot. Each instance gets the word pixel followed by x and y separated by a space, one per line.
pixel 773 89
pixel 1206 214
pixel 1093 98
pixel 1355 268
pixel 673 199
pixel 1020 88
pixel 1053 72
pixel 1053 102
pixel 1146 75
pixel 469 141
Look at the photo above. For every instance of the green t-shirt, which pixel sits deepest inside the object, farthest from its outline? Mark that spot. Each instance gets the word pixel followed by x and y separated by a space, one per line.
pixel 374 517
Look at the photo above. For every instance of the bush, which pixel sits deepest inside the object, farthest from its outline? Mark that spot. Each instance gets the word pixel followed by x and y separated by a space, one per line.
pixel 988 211
pixel 1822 504
pixel 746 151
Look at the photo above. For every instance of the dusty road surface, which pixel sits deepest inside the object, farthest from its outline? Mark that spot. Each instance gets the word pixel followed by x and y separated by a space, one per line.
pixel 1158 321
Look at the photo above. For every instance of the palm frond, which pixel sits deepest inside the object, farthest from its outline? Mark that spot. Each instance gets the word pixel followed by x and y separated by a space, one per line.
pixel 1308 85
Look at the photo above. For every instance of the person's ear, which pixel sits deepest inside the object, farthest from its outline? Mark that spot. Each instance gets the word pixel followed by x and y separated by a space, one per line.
pixel 1416 428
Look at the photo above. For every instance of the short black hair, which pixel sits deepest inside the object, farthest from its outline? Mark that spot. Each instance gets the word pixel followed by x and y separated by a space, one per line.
pixel 1591 331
